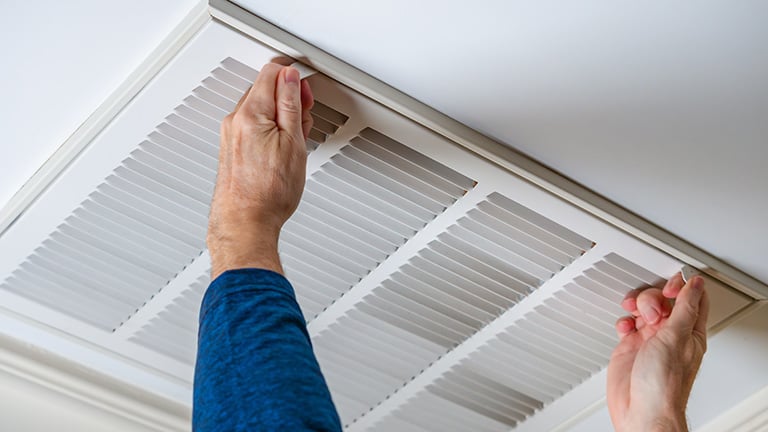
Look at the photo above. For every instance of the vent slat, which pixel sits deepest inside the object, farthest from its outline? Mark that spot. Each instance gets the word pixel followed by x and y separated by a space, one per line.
pixel 163 191
pixel 197 151
pixel 31 286
pixel 140 269
pixel 431 274
pixel 323 125
pixel 365 212
pixel 198 118
pixel 161 177
pixel 232 79
pixel 201 106
pixel 401 192
pixel 222 89
pixel 444 294
pixel 200 134
pixel 323 239
pixel 398 162
pixel 196 217
pixel 479 259
pixel 247 73
pixel 431 303
pixel 133 242
pixel 136 226
pixel 328 113
pixel 213 98
pixel 348 238
pixel 202 184
pixel 391 237
pixel 547 225
pixel 371 199
pixel 407 153
pixel 417 191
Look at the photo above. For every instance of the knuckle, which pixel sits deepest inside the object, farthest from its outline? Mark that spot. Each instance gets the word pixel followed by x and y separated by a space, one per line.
pixel 289 105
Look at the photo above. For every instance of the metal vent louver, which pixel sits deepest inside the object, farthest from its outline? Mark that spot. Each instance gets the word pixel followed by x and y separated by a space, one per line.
pixel 357 209
pixel 480 267
pixel 146 222
pixel 173 331
pixel 537 357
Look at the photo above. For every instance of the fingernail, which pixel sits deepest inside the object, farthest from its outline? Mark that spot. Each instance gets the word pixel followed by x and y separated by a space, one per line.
pixel 650 314
pixel 697 283
pixel 291 76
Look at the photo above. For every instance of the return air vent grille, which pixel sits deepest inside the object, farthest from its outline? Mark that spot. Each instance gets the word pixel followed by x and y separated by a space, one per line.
pixel 356 210
pixel 147 220
pixel 461 281
pixel 173 331
pixel 536 359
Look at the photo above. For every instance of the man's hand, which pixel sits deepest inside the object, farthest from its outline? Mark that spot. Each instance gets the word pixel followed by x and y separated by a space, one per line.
pixel 262 170
pixel 654 365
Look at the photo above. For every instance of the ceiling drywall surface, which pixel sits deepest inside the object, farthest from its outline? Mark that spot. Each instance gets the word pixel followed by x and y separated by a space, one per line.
pixel 61 61
pixel 661 107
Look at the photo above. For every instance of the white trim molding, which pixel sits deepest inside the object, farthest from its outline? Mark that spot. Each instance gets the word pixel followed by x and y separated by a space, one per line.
pixel 98 390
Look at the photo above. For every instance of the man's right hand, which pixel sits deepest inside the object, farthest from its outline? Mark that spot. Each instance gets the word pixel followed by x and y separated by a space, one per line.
pixel 262 169
pixel 652 369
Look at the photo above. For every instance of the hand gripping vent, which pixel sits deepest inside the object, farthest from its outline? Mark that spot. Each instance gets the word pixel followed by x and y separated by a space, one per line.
pixel 146 222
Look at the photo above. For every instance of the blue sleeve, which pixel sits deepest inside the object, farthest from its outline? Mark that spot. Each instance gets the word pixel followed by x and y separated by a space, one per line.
pixel 255 367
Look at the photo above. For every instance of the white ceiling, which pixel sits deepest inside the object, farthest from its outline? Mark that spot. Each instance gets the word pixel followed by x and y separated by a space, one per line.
pixel 62 60
pixel 660 106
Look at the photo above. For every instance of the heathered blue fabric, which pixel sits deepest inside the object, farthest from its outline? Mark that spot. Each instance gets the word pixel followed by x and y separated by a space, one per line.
pixel 255 367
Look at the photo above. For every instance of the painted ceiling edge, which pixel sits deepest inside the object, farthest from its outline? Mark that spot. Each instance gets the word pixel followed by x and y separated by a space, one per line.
pixel 515 162
pixel 65 377
pixel 155 61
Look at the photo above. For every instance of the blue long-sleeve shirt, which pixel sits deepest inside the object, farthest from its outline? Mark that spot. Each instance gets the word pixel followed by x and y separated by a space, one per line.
pixel 255 367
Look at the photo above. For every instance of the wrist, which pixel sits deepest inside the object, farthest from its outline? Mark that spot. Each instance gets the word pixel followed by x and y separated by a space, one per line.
pixel 670 423
pixel 254 248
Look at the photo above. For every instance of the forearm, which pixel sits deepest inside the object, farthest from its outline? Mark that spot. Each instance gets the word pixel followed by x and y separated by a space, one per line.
pixel 255 367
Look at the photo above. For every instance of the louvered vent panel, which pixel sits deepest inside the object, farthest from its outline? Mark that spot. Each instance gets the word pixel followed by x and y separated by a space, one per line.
pixel 539 358
pixel 481 266
pixel 147 220
pixel 173 331
pixel 357 209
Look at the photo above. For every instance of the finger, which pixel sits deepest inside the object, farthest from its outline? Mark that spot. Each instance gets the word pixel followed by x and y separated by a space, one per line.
pixel 685 314
pixel 289 102
pixel 260 101
pixel 701 322
pixel 629 303
pixel 624 326
pixel 674 285
pixel 650 304
pixel 283 60
pixel 242 99
pixel 307 102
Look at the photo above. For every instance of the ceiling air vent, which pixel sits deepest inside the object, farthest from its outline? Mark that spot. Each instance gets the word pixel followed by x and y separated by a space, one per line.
pixel 442 290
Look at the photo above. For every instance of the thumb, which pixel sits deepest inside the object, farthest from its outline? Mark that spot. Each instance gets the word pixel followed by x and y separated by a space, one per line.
pixel 686 313
pixel 288 95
